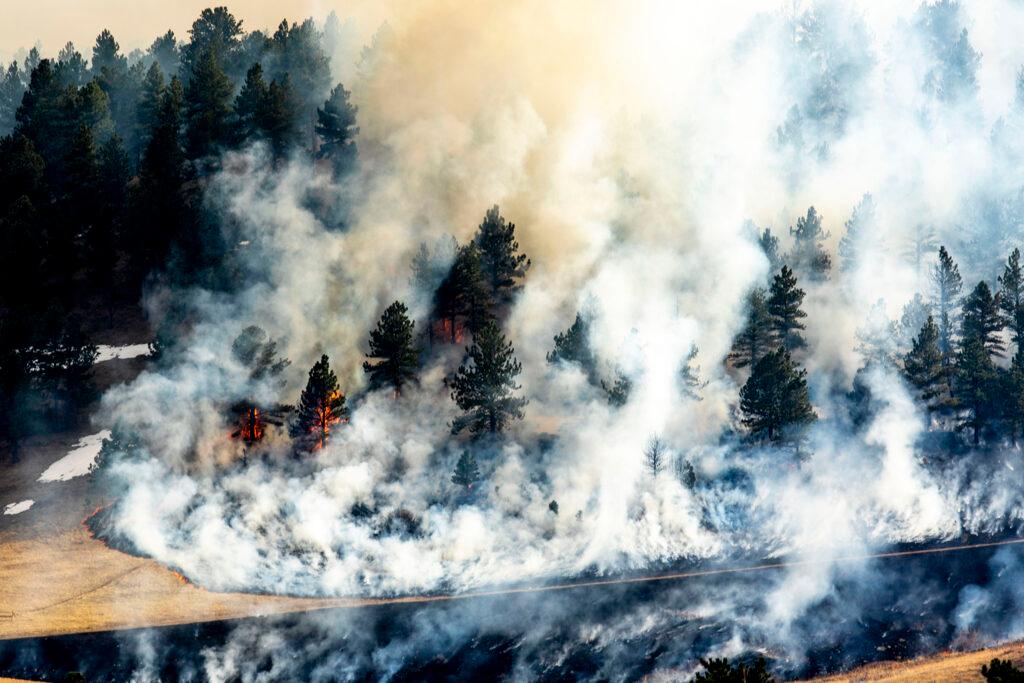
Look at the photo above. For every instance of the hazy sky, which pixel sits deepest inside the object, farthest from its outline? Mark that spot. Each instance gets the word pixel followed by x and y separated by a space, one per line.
pixel 133 22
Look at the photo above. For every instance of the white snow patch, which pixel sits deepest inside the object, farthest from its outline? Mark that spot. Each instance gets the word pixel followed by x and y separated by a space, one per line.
pixel 79 460
pixel 107 352
pixel 18 508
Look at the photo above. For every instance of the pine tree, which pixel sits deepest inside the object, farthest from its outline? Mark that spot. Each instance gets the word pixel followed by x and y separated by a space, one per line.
pixel 690 383
pixel 147 112
pixel 393 345
pixel 500 259
pixel 71 68
pixel 336 127
pixel 484 387
pixel 808 255
pixel 573 346
pixel 851 244
pixel 467 472
pixel 321 407
pixel 216 30
pixel 106 55
pixel 256 351
pixel 947 284
pixel 279 116
pixel 981 320
pixel 250 103
pixel 207 105
pixel 755 339
pixel 923 368
pixel 784 300
pixel 721 671
pixel 158 200
pixel 12 88
pixel 165 53
pixel 1013 403
pixel 1011 296
pixel 912 318
pixel 974 385
pixel 769 244
pixel 775 396
pixel 463 294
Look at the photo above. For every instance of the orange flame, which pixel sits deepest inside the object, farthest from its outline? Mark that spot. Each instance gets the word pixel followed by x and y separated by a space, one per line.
pixel 252 425
pixel 325 420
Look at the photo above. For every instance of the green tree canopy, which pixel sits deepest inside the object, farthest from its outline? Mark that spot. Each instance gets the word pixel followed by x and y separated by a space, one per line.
pixel 321 407
pixel 484 386
pixel 392 345
pixel 775 396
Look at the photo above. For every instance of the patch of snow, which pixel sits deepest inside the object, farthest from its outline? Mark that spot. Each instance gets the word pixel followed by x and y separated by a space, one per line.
pixel 79 460
pixel 107 352
pixel 18 508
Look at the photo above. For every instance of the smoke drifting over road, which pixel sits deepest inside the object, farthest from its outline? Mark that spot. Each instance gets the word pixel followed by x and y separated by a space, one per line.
pixel 631 146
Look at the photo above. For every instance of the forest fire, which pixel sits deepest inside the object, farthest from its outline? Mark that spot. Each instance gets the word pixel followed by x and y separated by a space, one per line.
pixel 252 425
pixel 448 330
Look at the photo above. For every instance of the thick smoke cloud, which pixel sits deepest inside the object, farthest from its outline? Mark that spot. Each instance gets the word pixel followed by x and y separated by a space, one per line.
pixel 629 146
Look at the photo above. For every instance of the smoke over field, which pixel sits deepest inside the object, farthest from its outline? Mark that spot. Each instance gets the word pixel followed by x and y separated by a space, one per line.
pixel 641 151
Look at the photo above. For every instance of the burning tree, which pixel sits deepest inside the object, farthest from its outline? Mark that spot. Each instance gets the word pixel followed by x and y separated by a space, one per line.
pixel 484 387
pixel 321 406
pixel 392 344
pixel 462 298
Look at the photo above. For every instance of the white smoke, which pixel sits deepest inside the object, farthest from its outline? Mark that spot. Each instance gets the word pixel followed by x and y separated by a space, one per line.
pixel 628 145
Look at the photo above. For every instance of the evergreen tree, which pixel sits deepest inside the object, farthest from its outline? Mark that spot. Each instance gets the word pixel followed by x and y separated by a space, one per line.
pixel 484 387
pixel 618 390
pixel 12 88
pixel 981 320
pixel 851 244
pixel 207 105
pixel 755 339
pixel 689 375
pixel 216 30
pixel 808 255
pixel 321 407
pixel 393 345
pixel 164 53
pixel 500 259
pixel 463 294
pixel 106 239
pixel 923 366
pixel 769 244
pixel 775 397
pixel 255 350
pixel 1011 296
pixel 147 112
pixel 158 200
pixel 467 472
pixel 784 300
pixel 106 54
pixel 249 104
pixel 573 346
pixel 974 385
pixel 1001 671
pixel 71 68
pixel 1013 401
pixel 279 117
pixel 912 318
pixel 337 130
pixel 947 285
